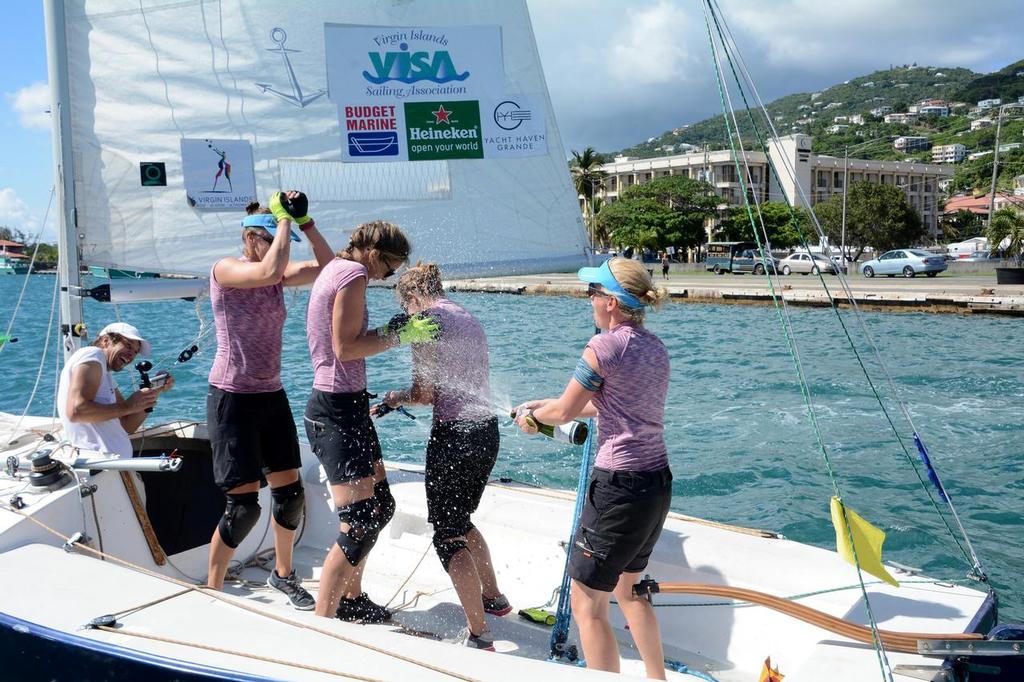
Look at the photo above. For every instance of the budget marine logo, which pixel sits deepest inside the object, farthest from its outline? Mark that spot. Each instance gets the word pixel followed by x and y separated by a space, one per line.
pixel 412 67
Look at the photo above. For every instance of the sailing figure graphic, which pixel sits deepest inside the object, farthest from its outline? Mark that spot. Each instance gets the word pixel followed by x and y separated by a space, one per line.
pixel 279 36
pixel 223 167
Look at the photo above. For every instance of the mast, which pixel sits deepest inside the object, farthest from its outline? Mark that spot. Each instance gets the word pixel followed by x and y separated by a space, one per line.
pixel 64 177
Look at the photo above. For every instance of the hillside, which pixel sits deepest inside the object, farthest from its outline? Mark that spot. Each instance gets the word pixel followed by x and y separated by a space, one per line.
pixel 900 87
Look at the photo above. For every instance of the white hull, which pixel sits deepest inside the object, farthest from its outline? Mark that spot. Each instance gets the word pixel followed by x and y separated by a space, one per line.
pixel 526 529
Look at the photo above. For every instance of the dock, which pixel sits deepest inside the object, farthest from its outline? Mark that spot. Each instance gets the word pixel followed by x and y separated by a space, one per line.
pixel 964 294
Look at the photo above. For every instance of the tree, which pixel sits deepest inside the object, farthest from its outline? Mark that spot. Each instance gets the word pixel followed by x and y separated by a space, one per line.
pixel 13 234
pixel 588 177
pixel 1007 225
pixel 778 221
pixel 666 211
pixel 961 225
pixel 876 215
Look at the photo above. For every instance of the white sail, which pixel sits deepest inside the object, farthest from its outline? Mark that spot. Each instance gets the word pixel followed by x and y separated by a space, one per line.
pixel 149 79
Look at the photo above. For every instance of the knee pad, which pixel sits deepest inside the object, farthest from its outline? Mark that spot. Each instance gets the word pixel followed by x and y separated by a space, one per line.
pixel 289 503
pixel 363 519
pixel 448 542
pixel 382 493
pixel 241 513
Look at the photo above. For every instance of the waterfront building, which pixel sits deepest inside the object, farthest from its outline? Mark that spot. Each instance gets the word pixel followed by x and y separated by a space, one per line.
pixel 949 153
pixel 910 143
pixel 818 176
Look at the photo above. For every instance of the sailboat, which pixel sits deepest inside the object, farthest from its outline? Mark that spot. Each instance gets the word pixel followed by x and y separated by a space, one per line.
pixel 105 558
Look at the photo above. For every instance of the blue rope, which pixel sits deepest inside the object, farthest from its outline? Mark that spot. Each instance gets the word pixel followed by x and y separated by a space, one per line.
pixel 680 667
pixel 563 614
pixel 933 475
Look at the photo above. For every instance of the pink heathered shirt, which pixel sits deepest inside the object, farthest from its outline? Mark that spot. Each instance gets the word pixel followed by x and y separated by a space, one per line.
pixel 631 403
pixel 329 373
pixel 456 364
pixel 249 324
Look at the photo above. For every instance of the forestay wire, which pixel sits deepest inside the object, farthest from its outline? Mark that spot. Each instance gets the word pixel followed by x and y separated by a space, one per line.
pixel 729 118
pixel 730 49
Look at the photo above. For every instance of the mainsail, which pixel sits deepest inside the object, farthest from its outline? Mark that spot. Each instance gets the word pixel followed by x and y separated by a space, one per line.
pixel 180 111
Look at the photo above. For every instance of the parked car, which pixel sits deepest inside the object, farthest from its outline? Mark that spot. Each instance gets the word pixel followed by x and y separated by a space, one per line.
pixel 906 262
pixel 981 257
pixel 750 260
pixel 808 263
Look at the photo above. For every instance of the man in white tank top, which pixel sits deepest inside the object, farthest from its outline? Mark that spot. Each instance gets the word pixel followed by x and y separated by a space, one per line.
pixel 94 413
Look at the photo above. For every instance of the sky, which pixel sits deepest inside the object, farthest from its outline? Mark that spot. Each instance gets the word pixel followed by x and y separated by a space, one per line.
pixel 618 71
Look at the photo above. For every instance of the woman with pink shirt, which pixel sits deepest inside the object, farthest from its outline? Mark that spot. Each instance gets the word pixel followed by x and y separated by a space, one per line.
pixel 250 423
pixel 452 374
pixel 337 416
pixel 622 379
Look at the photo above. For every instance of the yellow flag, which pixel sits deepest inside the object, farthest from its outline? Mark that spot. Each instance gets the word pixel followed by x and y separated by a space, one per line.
pixel 867 539
pixel 770 674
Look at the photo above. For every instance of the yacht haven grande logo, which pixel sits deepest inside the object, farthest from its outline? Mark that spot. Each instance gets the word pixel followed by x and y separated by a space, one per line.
pixel 443 130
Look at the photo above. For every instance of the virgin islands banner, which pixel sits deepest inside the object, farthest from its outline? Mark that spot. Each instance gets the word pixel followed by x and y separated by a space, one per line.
pixel 410 93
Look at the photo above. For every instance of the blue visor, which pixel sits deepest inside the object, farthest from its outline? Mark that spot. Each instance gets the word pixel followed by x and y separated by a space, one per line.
pixel 603 276
pixel 268 223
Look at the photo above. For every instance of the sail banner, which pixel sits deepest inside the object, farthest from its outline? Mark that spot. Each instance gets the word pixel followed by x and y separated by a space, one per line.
pixel 218 174
pixel 426 94
pixel 288 99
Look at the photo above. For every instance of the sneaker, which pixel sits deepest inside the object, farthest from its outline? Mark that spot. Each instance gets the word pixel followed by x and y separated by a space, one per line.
pixel 293 589
pixel 362 610
pixel 482 642
pixel 497 606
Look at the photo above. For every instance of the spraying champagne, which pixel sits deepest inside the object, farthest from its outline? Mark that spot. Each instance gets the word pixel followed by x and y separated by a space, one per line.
pixel 575 432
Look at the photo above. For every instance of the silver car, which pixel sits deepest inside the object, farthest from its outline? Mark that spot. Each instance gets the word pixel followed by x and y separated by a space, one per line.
pixel 808 263
pixel 906 262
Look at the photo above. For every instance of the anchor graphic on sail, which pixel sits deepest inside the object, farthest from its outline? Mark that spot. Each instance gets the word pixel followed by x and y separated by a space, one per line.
pixel 279 36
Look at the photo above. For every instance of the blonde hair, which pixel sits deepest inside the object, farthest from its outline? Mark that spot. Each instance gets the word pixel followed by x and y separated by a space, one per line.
pixel 422 279
pixel 253 208
pixel 634 278
pixel 387 238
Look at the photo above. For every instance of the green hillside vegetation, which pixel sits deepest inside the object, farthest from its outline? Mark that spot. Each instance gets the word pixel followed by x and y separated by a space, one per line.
pixel 899 88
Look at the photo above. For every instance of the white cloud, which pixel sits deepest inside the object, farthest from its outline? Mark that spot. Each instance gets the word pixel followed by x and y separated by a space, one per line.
pixel 16 214
pixel 32 104
pixel 650 50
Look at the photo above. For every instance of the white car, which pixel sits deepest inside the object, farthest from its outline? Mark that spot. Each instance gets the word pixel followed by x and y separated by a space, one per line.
pixel 808 264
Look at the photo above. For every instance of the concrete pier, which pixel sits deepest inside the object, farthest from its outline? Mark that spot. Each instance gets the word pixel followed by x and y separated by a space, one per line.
pixel 974 293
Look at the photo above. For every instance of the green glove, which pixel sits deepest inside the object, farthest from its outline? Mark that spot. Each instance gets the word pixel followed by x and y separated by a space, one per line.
pixel 295 209
pixel 411 329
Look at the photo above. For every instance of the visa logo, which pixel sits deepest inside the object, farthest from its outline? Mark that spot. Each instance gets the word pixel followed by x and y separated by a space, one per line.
pixel 412 67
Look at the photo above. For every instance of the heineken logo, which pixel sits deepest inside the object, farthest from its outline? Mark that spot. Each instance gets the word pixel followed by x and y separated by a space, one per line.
pixel 443 130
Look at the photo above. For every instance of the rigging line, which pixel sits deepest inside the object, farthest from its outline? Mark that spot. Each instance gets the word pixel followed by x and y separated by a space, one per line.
pixel 24 285
pixel 42 361
pixel 237 603
pixel 883 661
pixel 973 558
pixel 236 652
pixel 156 56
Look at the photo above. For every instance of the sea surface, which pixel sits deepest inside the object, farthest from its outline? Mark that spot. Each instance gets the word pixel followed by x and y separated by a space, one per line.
pixel 742 448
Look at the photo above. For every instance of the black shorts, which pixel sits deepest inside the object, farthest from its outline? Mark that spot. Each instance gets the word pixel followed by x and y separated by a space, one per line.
pixel 251 435
pixel 341 434
pixel 621 522
pixel 460 456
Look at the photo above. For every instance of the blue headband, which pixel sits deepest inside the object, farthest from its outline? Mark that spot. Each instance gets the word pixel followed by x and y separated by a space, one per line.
pixel 267 222
pixel 603 276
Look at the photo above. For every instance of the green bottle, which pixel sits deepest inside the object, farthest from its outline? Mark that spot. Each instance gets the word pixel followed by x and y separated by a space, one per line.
pixel 575 432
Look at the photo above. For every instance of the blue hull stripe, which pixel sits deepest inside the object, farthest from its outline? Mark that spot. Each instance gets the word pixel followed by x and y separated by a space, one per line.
pixel 53 654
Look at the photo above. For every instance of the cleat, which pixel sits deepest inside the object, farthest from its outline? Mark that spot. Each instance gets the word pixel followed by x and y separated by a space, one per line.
pixel 362 610
pixel 497 606
pixel 292 588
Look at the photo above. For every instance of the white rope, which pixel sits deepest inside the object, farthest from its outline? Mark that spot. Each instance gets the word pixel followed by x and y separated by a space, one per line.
pixel 31 263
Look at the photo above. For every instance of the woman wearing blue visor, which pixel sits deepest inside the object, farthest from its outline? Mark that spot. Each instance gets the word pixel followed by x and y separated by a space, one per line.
pixel 252 432
pixel 622 379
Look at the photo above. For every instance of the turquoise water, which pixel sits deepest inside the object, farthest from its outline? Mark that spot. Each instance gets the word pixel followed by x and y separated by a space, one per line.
pixel 742 450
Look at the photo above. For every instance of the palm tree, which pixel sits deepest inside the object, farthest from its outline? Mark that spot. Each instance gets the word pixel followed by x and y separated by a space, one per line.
pixel 1007 224
pixel 588 178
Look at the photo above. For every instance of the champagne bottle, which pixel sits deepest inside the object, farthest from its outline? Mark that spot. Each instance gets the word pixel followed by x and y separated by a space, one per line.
pixel 575 432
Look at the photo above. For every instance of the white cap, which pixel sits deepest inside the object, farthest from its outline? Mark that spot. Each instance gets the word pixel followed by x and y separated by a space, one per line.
pixel 129 332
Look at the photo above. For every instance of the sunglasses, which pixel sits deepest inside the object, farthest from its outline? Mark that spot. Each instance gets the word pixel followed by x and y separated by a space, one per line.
pixel 595 290
pixel 391 269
